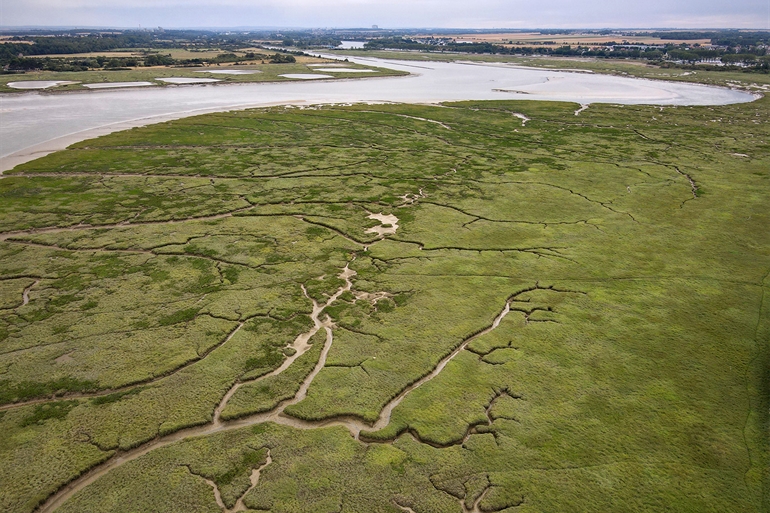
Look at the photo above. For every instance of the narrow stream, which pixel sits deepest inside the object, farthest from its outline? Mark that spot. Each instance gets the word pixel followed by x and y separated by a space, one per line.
pixel 239 505
pixel 25 294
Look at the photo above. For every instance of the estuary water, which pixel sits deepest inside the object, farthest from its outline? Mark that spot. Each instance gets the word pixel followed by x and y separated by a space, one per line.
pixel 34 124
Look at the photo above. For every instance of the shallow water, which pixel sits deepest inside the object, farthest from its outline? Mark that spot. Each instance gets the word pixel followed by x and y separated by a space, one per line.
pixel 304 76
pixel 38 84
pixel 186 80
pixel 34 124
pixel 229 71
pixel 342 69
pixel 114 85
pixel 351 45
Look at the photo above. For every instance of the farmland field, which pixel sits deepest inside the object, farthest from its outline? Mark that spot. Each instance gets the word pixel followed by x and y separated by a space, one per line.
pixel 477 306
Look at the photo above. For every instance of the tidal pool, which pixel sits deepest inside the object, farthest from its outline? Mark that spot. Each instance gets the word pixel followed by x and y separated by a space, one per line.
pixel 304 76
pixel 186 80
pixel 39 84
pixel 114 85
pixel 229 71
pixel 345 70
pixel 351 45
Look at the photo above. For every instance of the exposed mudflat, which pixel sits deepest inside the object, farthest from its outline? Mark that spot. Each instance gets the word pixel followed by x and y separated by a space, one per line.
pixel 388 227
pixel 522 117
pixel 583 107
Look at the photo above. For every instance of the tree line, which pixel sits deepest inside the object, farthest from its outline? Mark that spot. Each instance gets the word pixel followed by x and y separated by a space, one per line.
pixel 147 60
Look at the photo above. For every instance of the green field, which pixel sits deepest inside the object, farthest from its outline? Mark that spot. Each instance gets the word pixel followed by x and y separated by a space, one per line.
pixel 572 314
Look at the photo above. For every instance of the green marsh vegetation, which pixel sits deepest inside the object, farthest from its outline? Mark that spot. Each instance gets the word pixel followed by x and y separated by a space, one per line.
pixel 624 251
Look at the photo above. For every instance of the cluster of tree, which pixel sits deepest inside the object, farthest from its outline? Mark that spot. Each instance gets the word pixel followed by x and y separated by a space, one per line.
pixel 18 47
pixel 72 64
pixel 87 41
pixel 758 66
pixel 147 59
pixel 156 59
pixel 281 58
pixel 18 53
pixel 400 43
pixel 308 40
pixel 27 46
pixel 615 52
pixel 693 55
pixel 731 38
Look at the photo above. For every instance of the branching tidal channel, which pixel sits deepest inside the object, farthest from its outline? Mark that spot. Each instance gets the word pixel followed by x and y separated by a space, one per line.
pixel 301 345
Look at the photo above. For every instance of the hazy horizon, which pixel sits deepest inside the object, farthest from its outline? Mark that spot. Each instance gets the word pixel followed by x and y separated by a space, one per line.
pixel 395 14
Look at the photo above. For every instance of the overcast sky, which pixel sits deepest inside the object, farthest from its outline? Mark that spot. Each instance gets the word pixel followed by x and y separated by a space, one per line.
pixel 389 14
